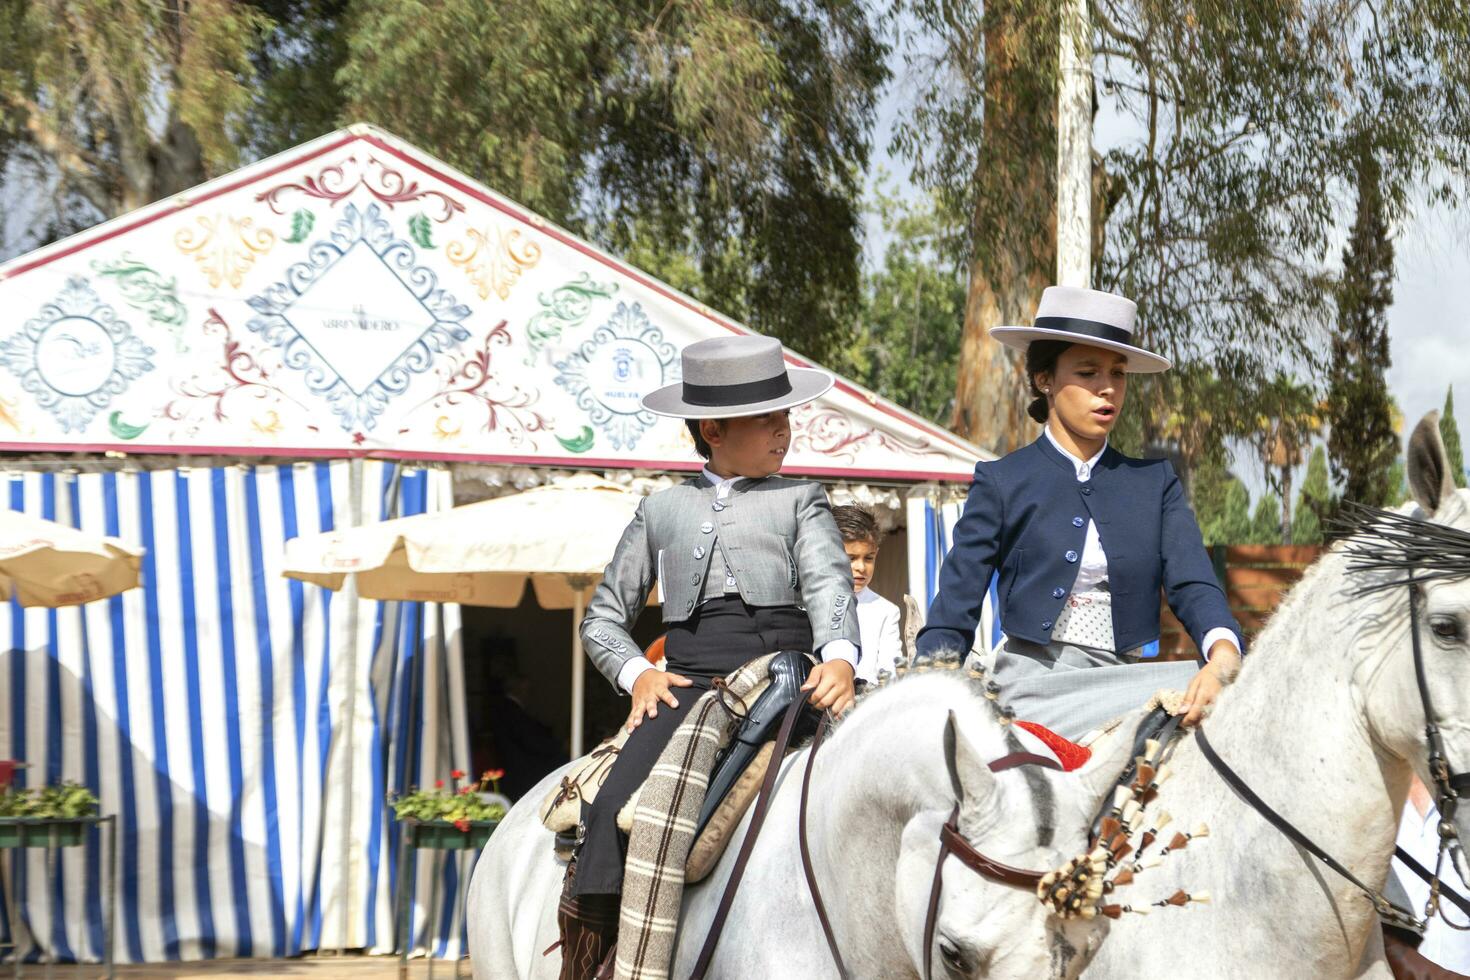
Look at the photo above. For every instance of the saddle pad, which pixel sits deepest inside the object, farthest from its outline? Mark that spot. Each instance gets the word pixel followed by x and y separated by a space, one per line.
pixel 561 810
pixel 710 846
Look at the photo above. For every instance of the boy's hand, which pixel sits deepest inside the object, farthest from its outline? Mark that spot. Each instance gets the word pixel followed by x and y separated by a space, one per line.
pixel 831 686
pixel 651 687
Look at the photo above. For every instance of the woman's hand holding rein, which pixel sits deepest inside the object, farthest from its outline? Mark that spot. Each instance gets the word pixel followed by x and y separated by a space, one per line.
pixel 1210 681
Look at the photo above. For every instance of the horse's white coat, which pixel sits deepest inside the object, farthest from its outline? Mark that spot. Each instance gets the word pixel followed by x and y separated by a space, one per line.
pixel 1324 723
pixel 880 791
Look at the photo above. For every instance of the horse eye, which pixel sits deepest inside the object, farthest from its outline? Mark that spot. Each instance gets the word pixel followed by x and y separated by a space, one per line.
pixel 1447 628
pixel 955 960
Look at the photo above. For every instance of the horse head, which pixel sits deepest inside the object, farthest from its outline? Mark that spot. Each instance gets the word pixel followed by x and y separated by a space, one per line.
pixel 1431 547
pixel 1027 817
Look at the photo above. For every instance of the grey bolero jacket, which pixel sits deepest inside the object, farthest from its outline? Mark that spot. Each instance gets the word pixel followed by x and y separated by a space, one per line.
pixel 777 534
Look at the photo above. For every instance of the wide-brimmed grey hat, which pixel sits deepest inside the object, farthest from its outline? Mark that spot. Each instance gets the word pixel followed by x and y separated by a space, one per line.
pixel 732 377
pixel 1085 316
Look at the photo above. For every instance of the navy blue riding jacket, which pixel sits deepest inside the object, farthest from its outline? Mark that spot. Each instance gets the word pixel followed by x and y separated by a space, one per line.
pixel 1026 517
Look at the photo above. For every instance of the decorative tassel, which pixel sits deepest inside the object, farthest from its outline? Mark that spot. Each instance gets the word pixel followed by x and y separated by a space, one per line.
pixel 1124 877
pixel 1151 750
pixel 1131 810
pixel 1182 898
pixel 1109 827
pixel 1181 840
pixel 1116 911
pixel 1145 777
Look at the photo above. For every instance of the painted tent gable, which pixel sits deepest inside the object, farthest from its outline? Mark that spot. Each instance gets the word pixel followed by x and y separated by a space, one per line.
pixel 357 296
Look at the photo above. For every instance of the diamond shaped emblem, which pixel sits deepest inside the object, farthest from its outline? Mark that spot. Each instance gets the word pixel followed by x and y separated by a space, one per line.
pixel 360 317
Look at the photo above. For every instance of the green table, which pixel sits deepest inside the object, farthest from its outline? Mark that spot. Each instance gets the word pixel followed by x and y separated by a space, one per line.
pixel 24 832
pixel 434 835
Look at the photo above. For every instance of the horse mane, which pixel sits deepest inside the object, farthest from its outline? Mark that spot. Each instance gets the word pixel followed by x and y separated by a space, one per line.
pixel 1408 547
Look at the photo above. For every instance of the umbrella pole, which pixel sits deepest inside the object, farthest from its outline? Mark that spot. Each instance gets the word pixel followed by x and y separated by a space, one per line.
pixel 579 664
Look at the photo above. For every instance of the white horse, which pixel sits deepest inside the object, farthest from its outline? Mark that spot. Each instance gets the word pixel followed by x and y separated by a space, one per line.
pixel 1325 724
pixel 882 786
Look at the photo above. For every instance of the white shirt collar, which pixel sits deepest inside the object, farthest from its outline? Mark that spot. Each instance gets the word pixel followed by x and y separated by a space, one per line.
pixel 722 484
pixel 1083 467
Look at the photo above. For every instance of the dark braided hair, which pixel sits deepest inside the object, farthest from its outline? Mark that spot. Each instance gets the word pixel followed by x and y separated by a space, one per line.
pixel 1041 358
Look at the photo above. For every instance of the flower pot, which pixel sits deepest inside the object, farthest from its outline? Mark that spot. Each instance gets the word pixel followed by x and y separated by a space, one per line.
pixel 441 835
pixel 42 833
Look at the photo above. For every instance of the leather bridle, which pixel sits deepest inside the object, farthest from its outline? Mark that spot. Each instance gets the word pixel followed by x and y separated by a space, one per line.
pixel 1448 786
pixel 953 843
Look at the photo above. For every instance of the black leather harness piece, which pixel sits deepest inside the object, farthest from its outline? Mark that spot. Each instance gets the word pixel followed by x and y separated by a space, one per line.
pixel 1444 551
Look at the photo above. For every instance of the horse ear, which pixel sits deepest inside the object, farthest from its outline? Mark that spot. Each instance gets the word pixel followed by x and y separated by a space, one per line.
pixel 1431 477
pixel 970 777
pixel 1109 755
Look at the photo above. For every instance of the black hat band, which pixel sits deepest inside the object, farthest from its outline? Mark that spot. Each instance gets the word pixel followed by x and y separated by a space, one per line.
pixel 1087 328
pixel 749 393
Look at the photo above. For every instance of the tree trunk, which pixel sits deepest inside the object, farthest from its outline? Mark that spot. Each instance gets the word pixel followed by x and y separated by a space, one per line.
pixel 1013 226
pixel 1286 504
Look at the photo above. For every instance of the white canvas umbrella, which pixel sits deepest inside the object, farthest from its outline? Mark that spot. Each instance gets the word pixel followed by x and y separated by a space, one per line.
pixel 559 538
pixel 43 563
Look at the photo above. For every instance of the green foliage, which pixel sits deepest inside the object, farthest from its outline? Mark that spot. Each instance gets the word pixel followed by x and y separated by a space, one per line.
pixel 1234 130
pixel 1449 431
pixel 64 801
pixel 908 335
pixel 458 804
pixel 1362 441
pixel 721 143
pixel 1316 502
pixel 1221 504
pixel 1265 527
pixel 126 101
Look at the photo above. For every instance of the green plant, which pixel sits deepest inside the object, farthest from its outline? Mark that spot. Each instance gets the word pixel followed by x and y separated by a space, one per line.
pixel 458 804
pixel 64 801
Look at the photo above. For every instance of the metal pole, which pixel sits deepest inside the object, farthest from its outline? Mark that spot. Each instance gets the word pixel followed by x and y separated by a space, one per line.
pixel 1074 147
pixel 349 748
pixel 580 584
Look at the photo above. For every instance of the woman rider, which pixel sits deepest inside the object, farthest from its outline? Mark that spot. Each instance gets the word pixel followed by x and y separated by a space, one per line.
pixel 1083 538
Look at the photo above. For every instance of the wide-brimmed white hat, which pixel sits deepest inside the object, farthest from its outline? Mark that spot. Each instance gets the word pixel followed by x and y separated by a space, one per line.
pixel 1085 316
pixel 732 377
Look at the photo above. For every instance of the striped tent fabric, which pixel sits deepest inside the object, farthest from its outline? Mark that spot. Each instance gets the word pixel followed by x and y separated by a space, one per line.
pixel 930 534
pixel 245 746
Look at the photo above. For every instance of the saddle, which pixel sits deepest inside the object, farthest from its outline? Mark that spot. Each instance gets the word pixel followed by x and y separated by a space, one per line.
pixel 739 769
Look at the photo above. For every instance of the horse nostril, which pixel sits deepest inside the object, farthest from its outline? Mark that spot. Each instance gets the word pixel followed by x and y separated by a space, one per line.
pixel 956 960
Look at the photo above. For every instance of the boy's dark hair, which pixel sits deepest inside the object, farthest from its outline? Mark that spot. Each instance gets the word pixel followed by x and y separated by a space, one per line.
pixel 700 446
pixel 857 524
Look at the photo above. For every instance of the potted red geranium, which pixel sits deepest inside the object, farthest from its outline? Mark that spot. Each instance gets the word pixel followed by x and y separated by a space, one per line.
pixel 460 816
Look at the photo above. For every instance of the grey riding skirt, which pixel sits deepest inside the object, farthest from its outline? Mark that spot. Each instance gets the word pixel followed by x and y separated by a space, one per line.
pixel 1074 689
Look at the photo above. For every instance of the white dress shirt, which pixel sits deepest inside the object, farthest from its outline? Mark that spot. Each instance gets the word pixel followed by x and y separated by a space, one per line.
pixel 1092 568
pixel 878 629
pixel 834 650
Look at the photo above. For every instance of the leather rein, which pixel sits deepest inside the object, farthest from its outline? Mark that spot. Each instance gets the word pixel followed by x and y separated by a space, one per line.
pixel 1448 787
pixel 951 843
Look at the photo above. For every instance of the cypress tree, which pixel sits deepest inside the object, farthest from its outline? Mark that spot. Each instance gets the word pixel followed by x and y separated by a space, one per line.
pixel 1362 444
pixel 1449 431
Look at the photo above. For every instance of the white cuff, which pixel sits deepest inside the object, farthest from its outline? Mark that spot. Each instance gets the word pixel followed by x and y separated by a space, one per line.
pixel 841 650
pixel 1217 634
pixel 631 670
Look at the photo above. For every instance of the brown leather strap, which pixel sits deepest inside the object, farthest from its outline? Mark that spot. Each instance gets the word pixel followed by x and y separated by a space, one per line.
pixel 806 857
pixel 931 918
pixel 757 817
pixel 951 841
pixel 954 842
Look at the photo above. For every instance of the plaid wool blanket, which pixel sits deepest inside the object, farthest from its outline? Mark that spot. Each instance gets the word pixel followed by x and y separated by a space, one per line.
pixel 666 810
